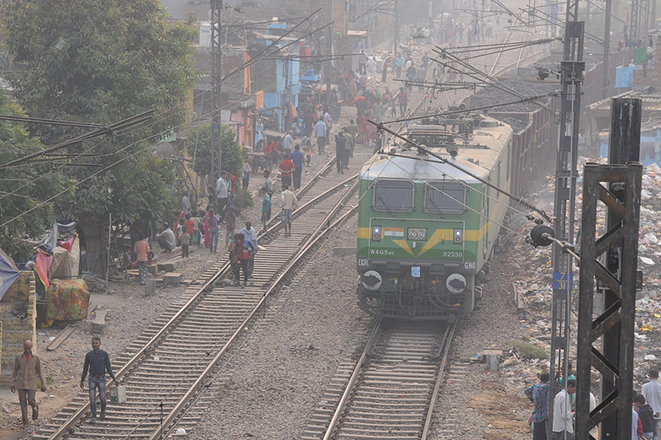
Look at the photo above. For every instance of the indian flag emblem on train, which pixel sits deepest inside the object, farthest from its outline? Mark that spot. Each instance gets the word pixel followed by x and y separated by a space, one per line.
pixel 393 232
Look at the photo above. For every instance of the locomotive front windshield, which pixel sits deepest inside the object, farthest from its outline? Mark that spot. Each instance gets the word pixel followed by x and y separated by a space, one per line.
pixel 393 196
pixel 445 197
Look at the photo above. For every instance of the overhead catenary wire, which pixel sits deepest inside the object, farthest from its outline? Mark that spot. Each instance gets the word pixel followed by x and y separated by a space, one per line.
pixel 527 99
pixel 477 72
pixel 120 125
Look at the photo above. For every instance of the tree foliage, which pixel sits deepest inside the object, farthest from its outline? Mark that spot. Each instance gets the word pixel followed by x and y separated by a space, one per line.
pixel 199 148
pixel 103 62
pixel 25 188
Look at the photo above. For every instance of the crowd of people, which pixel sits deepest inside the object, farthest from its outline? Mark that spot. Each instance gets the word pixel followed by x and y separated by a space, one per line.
pixel 645 412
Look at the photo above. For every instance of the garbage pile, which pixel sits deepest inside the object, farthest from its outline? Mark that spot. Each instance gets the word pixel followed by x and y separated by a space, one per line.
pixel 532 268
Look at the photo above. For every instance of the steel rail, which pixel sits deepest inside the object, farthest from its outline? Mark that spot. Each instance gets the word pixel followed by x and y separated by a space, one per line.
pixel 447 342
pixel 303 251
pixel 222 271
pixel 348 390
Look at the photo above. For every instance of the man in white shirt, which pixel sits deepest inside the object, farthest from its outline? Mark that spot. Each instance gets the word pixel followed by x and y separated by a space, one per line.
pixel 288 202
pixel 563 423
pixel 222 194
pixel 320 133
pixel 329 124
pixel 250 235
pixel 652 393
pixel 288 143
pixel 166 238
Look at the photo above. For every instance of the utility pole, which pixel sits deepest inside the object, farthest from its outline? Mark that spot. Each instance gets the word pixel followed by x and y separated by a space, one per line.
pixel 571 68
pixel 431 19
pixel 605 79
pixel 329 54
pixel 396 28
pixel 216 101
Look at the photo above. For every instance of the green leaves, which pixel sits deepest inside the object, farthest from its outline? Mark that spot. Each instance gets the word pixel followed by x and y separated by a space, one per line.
pixel 24 187
pixel 199 148
pixel 102 62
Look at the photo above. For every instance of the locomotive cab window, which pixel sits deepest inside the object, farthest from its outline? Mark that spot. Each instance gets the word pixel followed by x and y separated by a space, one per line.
pixel 393 196
pixel 445 197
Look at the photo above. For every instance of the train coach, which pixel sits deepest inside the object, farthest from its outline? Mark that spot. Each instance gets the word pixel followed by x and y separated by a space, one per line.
pixel 428 223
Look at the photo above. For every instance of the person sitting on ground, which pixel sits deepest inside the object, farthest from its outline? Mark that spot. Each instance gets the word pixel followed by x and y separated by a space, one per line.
pixel 166 238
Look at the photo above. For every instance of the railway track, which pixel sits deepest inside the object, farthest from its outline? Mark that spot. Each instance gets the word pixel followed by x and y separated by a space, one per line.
pixel 389 392
pixel 169 366
pixel 391 389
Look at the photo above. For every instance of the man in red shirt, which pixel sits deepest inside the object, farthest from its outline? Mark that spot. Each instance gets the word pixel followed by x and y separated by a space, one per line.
pixel 287 168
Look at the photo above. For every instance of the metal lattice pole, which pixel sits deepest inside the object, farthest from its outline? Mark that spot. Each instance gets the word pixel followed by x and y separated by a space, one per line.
pixel 216 55
pixel 604 259
pixel 572 68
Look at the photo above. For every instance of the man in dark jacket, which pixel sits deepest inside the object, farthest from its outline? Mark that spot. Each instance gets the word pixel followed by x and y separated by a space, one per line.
pixel 340 144
pixel 645 414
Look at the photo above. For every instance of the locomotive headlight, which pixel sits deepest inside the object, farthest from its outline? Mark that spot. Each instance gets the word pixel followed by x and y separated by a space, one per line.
pixel 458 236
pixel 417 234
pixel 376 233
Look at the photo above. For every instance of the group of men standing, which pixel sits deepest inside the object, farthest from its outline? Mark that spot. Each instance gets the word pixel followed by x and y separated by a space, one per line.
pixel 646 409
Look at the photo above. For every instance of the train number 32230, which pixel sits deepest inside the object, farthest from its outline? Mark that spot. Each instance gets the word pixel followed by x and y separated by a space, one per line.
pixel 452 254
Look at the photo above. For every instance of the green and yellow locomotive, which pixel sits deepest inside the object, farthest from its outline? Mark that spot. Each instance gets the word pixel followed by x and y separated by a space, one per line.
pixel 426 228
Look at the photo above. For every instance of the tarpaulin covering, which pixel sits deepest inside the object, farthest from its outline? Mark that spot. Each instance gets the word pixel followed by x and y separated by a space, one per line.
pixel 42 266
pixel 66 262
pixel 623 77
pixel 66 300
pixel 8 273
pixel 50 240
pixel 640 56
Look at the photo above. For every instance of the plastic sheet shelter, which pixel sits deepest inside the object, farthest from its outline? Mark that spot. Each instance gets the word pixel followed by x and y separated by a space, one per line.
pixel 8 273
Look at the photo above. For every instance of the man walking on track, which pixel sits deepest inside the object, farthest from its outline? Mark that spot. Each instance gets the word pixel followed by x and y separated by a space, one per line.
pixel 288 203
pixel 320 133
pixel 97 362
pixel 27 369
pixel 286 168
pixel 297 157
pixel 340 144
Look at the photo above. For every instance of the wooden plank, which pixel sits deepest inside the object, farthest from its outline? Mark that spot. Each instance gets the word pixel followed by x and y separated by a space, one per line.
pixel 66 332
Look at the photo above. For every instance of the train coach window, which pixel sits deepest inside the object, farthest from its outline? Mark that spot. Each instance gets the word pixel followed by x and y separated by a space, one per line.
pixel 445 197
pixel 393 196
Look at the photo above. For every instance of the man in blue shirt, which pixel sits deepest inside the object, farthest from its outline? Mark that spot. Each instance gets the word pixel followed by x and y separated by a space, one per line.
pixel 399 63
pixel 538 394
pixel 97 362
pixel 297 157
